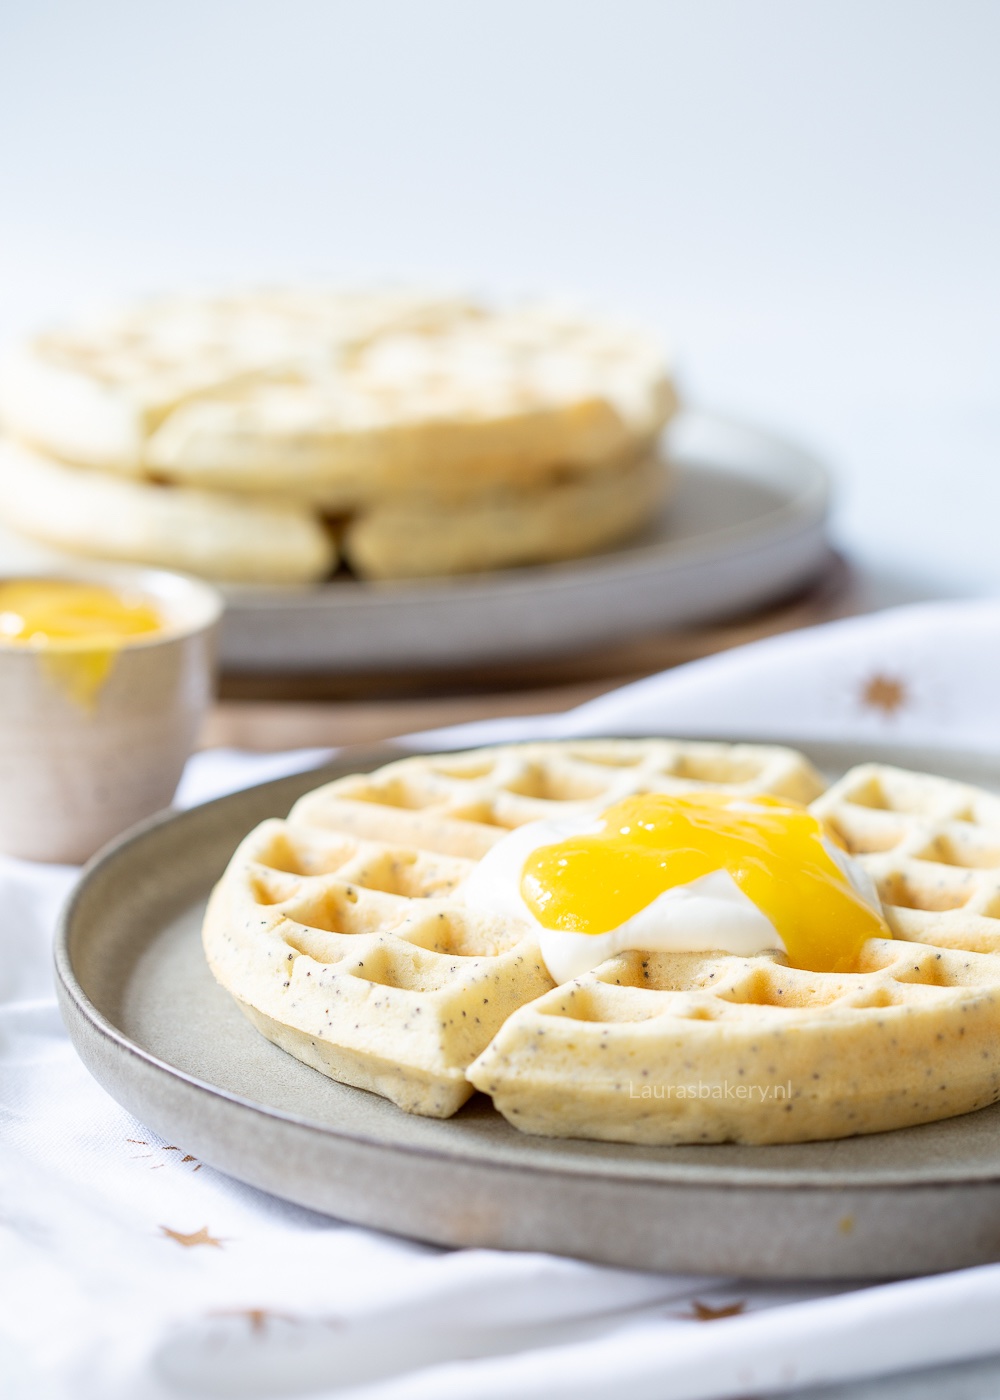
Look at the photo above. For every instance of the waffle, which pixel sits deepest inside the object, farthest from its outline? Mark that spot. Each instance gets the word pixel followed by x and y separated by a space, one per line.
pixel 687 1048
pixel 338 930
pixel 237 539
pixel 464 803
pixel 658 1049
pixel 340 399
pixel 269 540
pixel 420 537
pixel 931 845
pixel 349 954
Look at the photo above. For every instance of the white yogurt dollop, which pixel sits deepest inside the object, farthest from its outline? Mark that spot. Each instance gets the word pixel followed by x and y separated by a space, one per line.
pixel 711 914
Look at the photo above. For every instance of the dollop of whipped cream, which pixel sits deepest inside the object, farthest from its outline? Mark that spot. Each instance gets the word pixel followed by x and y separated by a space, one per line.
pixel 709 914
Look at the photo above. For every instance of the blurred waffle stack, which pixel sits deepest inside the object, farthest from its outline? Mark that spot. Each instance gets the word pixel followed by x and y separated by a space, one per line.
pixel 274 437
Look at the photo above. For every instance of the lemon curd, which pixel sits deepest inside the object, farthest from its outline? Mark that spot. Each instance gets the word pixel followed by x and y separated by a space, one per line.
pixel 77 628
pixel 776 852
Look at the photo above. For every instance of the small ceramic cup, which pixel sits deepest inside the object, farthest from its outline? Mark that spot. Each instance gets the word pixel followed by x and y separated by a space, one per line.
pixel 81 762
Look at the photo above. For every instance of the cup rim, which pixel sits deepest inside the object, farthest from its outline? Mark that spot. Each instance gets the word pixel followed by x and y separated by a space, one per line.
pixel 205 602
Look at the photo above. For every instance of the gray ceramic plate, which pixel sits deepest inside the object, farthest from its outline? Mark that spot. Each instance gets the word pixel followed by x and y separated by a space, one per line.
pixel 745 527
pixel 168 1043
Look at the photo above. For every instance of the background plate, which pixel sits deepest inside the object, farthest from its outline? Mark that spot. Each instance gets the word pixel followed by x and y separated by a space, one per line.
pixel 746 526
pixel 155 1029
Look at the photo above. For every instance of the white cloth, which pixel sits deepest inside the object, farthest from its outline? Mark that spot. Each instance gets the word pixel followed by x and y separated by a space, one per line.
pixel 924 674
pixel 98 1301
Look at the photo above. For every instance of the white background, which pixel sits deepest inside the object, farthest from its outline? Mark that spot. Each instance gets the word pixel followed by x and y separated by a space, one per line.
pixel 802 195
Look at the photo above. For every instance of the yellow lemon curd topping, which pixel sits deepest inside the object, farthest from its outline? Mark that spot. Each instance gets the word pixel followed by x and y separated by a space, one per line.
pixel 78 628
pixel 43 612
pixel 772 847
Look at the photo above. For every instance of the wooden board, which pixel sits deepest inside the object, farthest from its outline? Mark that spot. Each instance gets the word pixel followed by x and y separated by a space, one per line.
pixel 267 712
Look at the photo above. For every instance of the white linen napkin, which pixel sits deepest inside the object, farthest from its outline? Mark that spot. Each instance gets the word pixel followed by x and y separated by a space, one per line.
pixel 131 1271
pixel 928 673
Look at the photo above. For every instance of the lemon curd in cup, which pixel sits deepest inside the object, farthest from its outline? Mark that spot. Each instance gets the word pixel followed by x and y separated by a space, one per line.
pixel 77 628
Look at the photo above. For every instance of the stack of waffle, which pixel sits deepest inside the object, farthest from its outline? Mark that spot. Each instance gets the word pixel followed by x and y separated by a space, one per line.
pixel 270 437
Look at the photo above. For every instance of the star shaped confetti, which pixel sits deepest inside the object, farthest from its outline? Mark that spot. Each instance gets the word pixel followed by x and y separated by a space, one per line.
pixel 138 1156
pixel 190 1241
pixel 887 694
pixel 702 1312
pixel 258 1318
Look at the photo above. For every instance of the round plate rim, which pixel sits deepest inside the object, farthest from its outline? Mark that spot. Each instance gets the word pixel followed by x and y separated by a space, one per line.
pixel 804 509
